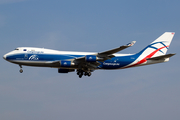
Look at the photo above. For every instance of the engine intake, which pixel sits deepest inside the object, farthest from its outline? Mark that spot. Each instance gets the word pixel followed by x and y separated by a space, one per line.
pixel 91 58
pixel 66 63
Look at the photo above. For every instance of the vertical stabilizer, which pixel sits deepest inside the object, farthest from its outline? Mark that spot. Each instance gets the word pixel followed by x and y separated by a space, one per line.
pixel 155 52
pixel 158 47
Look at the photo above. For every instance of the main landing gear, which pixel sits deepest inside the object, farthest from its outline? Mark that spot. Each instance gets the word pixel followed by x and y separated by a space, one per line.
pixel 21 70
pixel 85 73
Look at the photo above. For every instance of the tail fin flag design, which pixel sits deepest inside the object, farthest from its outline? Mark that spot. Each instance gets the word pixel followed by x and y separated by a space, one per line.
pixel 158 47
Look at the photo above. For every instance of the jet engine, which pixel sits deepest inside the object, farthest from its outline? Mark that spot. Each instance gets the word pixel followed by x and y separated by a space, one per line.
pixel 91 58
pixel 66 63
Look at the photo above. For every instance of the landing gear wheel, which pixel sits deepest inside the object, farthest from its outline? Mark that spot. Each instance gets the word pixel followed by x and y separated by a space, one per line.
pixel 80 73
pixel 77 73
pixel 80 76
pixel 21 71
pixel 85 73
pixel 89 74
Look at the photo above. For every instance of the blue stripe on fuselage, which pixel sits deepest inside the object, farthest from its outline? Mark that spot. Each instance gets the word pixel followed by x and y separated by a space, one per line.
pixel 113 63
pixel 41 57
pixel 118 62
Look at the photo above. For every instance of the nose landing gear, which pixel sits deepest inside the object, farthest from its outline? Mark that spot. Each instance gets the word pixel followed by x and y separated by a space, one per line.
pixel 21 70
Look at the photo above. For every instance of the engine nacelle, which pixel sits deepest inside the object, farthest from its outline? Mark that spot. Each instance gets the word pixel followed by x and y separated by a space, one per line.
pixel 91 58
pixel 66 63
pixel 65 70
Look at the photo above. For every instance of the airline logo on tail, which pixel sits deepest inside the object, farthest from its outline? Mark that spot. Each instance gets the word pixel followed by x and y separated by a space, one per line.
pixel 157 48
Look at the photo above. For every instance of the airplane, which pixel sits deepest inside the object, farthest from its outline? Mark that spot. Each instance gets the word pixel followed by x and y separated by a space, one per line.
pixel 84 63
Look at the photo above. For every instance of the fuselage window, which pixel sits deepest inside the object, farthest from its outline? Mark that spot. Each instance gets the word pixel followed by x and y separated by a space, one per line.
pixel 24 50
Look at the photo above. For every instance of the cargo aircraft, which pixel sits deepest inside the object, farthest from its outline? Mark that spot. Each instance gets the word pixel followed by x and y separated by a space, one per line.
pixel 84 63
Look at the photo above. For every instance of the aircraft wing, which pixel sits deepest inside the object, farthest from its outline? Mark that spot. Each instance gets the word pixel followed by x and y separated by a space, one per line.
pixel 102 56
pixel 109 53
pixel 112 51
pixel 161 57
pixel 92 61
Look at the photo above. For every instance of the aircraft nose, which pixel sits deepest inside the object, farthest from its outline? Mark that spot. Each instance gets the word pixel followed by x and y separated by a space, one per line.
pixel 4 57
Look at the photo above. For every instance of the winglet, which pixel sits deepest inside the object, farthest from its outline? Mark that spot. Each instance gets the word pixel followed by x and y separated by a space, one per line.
pixel 131 43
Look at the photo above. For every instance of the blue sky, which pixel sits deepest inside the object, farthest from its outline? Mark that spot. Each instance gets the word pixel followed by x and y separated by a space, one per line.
pixel 149 92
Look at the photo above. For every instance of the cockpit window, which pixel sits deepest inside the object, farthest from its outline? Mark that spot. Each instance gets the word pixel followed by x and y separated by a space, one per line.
pixel 16 49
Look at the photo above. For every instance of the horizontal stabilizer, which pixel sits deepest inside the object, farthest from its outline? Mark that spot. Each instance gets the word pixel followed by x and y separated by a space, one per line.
pixel 161 57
